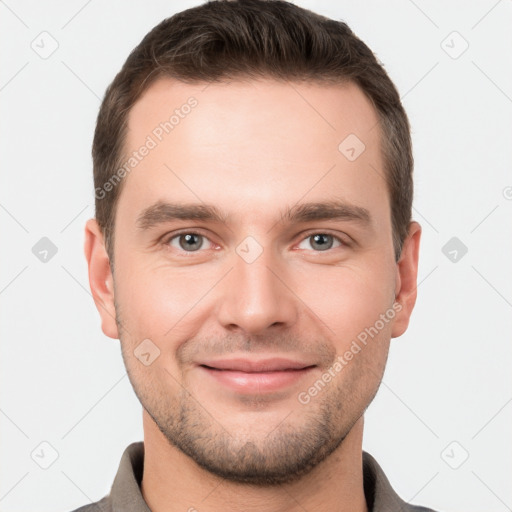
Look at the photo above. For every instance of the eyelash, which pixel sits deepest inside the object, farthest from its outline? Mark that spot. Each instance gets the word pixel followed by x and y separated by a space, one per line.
pixel 167 240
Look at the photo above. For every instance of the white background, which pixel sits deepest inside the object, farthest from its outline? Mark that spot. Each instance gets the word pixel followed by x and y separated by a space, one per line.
pixel 448 378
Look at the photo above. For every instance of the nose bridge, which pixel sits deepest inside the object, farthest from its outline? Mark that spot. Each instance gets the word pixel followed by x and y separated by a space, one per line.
pixel 255 297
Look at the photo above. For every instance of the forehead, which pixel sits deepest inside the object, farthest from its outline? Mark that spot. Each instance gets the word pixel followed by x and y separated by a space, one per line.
pixel 253 144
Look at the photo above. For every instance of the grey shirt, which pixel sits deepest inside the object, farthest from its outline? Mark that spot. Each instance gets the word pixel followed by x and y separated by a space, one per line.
pixel 125 494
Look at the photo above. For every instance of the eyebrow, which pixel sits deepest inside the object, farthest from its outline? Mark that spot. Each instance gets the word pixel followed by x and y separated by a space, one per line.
pixel 162 212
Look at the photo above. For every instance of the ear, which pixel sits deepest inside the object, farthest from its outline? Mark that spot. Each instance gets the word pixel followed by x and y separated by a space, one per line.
pixel 101 280
pixel 406 279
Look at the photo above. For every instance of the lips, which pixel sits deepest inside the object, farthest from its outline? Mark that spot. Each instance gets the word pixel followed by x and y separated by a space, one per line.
pixel 256 366
pixel 256 377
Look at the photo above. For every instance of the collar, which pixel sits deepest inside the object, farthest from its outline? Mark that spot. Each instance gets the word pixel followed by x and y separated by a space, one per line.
pixel 125 495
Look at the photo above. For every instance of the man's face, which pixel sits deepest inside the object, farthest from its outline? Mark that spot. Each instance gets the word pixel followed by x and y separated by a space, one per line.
pixel 271 279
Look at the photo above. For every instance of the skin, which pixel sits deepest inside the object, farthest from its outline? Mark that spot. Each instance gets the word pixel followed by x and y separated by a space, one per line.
pixel 253 149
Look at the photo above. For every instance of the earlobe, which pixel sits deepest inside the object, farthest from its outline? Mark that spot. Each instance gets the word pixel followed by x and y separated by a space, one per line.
pixel 406 279
pixel 101 280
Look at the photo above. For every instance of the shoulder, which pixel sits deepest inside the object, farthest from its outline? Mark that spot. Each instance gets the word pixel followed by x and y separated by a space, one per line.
pixel 380 495
pixel 103 505
pixel 418 508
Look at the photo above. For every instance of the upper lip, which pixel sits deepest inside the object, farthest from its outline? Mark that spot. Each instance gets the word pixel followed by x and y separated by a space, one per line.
pixel 252 366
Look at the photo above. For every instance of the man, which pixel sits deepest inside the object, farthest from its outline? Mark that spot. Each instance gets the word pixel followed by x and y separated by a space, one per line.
pixel 253 250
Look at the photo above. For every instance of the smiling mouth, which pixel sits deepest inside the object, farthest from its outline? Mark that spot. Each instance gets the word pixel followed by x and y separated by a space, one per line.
pixel 257 371
pixel 262 379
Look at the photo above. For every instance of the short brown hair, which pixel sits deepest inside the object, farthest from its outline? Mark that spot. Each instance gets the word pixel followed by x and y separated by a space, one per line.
pixel 226 39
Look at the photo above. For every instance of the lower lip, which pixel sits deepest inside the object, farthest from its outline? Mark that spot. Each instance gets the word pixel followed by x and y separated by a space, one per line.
pixel 261 382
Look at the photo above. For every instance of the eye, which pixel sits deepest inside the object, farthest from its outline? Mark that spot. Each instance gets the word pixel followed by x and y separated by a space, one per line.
pixel 192 242
pixel 321 241
pixel 189 242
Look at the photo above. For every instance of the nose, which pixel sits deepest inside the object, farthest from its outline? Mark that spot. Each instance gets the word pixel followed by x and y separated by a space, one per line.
pixel 257 295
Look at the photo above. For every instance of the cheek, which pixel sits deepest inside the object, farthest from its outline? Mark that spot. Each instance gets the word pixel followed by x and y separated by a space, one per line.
pixel 158 302
pixel 349 300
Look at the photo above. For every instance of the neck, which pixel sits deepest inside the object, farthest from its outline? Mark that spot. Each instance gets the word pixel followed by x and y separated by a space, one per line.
pixel 173 482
